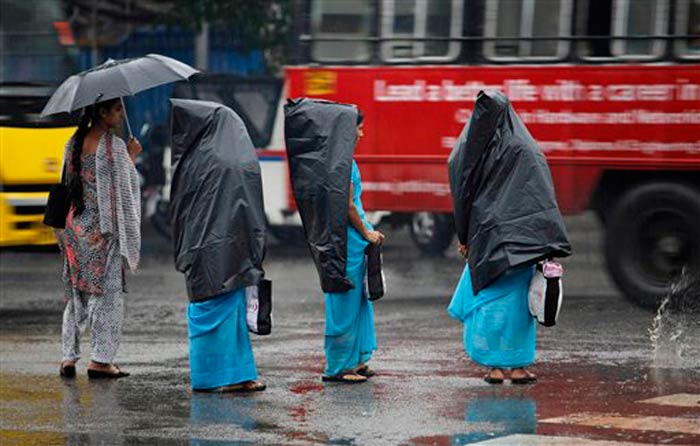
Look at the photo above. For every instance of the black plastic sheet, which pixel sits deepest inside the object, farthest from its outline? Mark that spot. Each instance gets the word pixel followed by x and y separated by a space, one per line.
pixel 320 138
pixel 216 200
pixel 504 200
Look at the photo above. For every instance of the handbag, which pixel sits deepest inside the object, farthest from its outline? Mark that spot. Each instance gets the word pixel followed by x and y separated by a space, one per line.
pixel 546 294
pixel 58 203
pixel 259 307
pixel 375 283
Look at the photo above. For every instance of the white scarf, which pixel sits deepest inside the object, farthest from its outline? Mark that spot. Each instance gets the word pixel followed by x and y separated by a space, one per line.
pixel 118 196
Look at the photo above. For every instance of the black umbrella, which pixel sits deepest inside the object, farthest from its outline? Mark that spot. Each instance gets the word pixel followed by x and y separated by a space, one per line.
pixel 116 79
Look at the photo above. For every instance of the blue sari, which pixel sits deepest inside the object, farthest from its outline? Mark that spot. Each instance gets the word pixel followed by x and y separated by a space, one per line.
pixel 349 334
pixel 499 330
pixel 220 351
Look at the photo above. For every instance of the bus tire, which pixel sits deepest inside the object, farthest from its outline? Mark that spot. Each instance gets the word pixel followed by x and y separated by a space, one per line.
pixel 432 233
pixel 652 233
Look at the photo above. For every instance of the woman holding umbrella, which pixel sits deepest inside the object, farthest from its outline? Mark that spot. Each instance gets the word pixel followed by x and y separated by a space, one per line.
pixel 101 237
pixel 102 228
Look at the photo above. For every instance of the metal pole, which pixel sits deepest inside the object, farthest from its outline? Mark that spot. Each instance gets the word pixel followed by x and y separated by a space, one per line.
pixel 126 118
pixel 95 53
pixel 201 48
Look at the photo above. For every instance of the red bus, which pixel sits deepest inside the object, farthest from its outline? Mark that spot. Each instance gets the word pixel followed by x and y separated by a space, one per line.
pixel 609 88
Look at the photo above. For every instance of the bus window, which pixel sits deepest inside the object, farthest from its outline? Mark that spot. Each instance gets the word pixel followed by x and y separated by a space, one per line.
pixel 420 19
pixel 639 18
pixel 594 18
pixel 688 22
pixel 523 19
pixel 622 18
pixel 341 18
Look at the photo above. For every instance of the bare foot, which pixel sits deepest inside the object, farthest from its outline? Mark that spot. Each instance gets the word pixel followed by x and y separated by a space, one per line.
pixel 522 376
pixel 101 367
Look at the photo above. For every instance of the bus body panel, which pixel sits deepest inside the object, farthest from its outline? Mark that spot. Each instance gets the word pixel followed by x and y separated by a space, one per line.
pixel 587 119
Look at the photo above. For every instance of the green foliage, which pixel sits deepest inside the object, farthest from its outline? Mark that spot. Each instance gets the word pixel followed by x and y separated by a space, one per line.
pixel 262 24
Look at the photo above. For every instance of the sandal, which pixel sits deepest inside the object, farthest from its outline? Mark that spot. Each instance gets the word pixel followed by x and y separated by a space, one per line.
pixel 529 378
pixel 244 387
pixel 365 371
pixel 347 378
pixel 489 378
pixel 67 370
pixel 101 374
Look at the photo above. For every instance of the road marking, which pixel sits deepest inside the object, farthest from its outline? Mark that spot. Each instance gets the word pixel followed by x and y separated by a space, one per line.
pixel 678 399
pixel 546 440
pixel 661 424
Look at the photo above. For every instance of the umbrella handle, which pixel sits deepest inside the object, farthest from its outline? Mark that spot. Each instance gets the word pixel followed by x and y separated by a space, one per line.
pixel 126 118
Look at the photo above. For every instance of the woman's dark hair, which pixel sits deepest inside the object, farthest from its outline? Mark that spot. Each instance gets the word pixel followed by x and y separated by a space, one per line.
pixel 91 115
pixel 360 116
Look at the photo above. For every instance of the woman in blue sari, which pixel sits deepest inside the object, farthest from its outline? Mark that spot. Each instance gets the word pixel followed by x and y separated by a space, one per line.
pixel 349 333
pixel 219 240
pixel 499 331
pixel 507 220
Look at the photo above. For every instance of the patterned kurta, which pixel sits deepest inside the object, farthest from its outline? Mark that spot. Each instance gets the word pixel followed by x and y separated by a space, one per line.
pixel 86 252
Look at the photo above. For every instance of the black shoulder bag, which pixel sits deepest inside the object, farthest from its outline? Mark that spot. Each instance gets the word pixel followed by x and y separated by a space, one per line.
pixel 58 204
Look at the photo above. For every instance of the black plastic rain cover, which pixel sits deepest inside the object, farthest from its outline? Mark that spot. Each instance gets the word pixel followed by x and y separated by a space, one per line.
pixel 504 201
pixel 216 200
pixel 320 137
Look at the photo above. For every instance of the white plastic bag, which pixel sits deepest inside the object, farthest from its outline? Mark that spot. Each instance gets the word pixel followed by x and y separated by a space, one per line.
pixel 258 299
pixel 546 293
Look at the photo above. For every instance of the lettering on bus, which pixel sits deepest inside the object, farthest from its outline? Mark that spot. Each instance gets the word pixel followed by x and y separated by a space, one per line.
pixel 523 90
pixel 629 117
pixel 624 145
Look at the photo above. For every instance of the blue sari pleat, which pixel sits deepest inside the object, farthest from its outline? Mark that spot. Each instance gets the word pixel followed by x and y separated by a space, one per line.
pixel 220 350
pixel 499 330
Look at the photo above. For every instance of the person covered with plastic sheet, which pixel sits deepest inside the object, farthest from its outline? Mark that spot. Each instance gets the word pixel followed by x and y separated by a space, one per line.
pixel 321 138
pixel 507 220
pixel 219 240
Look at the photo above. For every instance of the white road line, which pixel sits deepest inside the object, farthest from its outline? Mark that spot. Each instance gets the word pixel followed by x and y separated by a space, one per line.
pixel 642 423
pixel 677 399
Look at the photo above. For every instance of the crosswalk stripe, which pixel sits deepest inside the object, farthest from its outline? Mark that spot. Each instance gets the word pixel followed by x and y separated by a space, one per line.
pixel 546 440
pixel 643 423
pixel 677 399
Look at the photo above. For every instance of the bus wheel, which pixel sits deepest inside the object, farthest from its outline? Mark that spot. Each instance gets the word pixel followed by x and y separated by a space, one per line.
pixel 653 233
pixel 432 233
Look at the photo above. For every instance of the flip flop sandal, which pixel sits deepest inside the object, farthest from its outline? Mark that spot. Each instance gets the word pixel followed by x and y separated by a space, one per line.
pixel 249 387
pixel 347 378
pixel 67 371
pixel 366 372
pixel 99 374
pixel 528 379
pixel 491 380
pixel 235 388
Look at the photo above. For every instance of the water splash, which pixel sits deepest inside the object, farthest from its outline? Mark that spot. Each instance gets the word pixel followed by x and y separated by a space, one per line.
pixel 675 331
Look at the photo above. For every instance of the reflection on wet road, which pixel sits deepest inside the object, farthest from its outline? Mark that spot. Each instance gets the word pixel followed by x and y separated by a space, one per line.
pixel 602 381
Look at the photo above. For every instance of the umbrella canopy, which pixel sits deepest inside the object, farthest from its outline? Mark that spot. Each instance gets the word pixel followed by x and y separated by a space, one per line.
pixel 115 79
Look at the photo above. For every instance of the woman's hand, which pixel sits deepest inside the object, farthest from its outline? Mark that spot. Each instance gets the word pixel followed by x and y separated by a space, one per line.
pixel 374 237
pixel 463 249
pixel 134 148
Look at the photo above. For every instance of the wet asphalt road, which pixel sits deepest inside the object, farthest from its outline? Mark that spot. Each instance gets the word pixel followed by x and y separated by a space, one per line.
pixel 595 366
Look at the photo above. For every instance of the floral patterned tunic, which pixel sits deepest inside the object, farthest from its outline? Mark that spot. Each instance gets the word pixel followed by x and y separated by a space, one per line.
pixel 86 252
